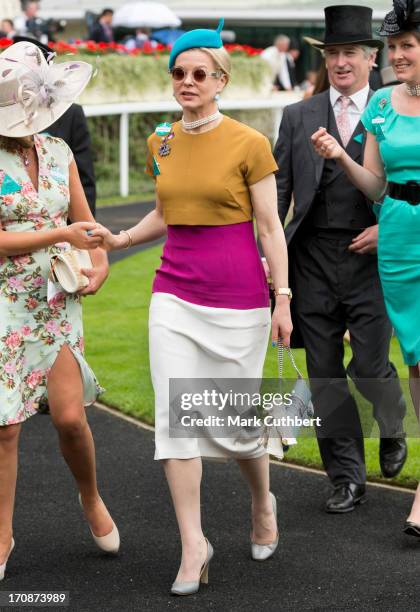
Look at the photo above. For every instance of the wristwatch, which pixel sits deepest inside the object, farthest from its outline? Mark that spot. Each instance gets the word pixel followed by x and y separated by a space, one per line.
pixel 284 291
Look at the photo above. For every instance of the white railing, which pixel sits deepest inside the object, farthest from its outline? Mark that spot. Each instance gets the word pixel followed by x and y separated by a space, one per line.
pixel 275 104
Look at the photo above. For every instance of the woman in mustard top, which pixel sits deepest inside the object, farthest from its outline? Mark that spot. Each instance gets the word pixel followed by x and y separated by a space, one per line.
pixel 210 313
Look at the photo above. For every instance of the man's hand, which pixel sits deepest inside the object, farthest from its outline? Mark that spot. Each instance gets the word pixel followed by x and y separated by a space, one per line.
pixel 97 276
pixel 366 242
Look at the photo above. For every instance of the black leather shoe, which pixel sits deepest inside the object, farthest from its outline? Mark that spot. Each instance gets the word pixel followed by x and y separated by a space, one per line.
pixel 346 497
pixel 392 455
pixel 412 529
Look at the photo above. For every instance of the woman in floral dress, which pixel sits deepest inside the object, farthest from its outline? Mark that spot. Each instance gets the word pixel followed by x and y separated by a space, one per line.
pixel 41 336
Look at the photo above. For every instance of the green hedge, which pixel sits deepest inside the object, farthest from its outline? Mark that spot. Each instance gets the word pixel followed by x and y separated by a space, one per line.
pixel 145 78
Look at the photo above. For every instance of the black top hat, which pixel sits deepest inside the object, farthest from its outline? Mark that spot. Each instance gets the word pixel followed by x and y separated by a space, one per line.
pixel 348 24
pixel 404 17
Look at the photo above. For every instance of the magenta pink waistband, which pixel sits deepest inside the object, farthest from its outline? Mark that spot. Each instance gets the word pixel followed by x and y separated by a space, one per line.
pixel 216 266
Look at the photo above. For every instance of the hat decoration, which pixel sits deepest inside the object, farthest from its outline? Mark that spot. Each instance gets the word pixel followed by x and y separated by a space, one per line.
pixel 404 17
pixel 33 93
pixel 47 52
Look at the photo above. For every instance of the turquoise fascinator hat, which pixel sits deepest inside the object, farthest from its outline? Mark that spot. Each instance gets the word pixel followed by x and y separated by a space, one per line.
pixel 194 39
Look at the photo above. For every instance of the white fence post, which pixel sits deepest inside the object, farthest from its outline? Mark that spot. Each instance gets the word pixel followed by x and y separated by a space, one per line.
pixel 277 115
pixel 124 155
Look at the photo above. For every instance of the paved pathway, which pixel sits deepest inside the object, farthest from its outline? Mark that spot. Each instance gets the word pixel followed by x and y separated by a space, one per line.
pixel 360 561
pixel 117 218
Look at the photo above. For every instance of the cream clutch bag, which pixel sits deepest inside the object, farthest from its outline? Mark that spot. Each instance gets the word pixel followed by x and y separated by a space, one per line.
pixel 66 266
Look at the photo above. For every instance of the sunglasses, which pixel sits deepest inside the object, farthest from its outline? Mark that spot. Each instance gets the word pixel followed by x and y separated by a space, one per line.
pixel 199 75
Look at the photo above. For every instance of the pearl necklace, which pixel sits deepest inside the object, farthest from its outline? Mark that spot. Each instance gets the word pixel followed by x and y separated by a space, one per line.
pixel 191 125
pixel 413 90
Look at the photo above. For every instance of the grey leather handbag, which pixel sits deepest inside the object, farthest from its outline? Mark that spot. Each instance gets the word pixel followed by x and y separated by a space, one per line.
pixel 286 418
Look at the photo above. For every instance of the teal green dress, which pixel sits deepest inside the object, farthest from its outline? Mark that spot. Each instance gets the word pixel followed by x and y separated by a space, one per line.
pixel 398 137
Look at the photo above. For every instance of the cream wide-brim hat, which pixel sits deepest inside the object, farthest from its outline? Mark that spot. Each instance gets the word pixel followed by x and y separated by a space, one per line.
pixel 33 93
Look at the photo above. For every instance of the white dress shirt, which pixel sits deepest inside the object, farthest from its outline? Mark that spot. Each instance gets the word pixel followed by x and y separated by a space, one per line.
pixel 19 24
pixel 278 63
pixel 356 107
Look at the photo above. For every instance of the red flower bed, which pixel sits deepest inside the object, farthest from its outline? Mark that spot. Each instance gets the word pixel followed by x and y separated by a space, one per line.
pixel 92 48
pixel 243 50
pixel 5 42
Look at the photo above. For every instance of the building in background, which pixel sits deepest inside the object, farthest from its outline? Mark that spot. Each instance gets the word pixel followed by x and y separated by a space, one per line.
pixel 254 22
pixel 9 9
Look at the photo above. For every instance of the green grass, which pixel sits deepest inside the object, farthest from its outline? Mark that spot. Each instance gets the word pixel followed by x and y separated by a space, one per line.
pixel 117 349
pixel 118 200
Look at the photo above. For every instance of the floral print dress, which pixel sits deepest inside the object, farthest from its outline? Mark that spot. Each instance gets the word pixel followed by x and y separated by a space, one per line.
pixel 33 328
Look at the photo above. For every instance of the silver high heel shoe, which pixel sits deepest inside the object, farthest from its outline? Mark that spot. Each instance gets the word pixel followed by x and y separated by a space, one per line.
pixel 109 543
pixel 261 552
pixel 189 588
pixel 3 565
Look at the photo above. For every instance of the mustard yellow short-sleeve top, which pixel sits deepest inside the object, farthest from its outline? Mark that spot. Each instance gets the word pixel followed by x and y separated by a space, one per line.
pixel 206 177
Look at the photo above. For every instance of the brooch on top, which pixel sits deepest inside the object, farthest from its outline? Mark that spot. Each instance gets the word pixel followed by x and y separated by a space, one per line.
pixel 164 130
pixel 382 103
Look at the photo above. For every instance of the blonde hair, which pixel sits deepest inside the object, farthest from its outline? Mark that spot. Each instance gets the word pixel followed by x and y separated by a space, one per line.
pixel 220 57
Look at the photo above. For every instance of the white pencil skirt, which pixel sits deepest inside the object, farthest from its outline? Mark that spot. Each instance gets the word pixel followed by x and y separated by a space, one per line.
pixel 191 341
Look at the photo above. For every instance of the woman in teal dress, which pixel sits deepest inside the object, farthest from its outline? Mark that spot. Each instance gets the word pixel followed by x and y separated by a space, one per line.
pixel 392 163
pixel 41 334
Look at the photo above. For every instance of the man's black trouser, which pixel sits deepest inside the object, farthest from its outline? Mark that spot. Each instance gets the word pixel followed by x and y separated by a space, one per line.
pixel 335 290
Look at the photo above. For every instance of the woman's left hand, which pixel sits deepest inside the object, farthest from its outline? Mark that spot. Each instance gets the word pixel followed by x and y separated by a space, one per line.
pixel 281 321
pixel 326 145
pixel 97 276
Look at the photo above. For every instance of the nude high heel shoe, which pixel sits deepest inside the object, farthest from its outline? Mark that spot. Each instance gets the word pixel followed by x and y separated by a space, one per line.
pixel 3 565
pixel 189 588
pixel 261 552
pixel 109 543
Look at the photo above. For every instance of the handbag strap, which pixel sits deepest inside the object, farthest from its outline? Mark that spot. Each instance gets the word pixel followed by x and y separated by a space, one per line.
pixel 280 356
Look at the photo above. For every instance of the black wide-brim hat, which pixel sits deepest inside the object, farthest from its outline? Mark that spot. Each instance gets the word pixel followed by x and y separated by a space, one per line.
pixel 404 17
pixel 347 24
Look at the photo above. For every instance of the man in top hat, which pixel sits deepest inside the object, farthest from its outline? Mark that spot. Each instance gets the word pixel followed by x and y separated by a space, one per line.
pixel 332 240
